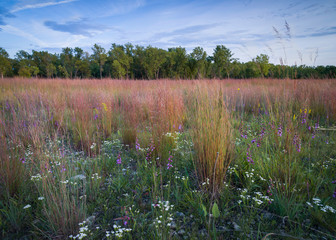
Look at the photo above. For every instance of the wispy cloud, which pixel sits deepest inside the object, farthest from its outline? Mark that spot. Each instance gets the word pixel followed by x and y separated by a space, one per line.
pixel 40 5
pixel 320 32
pixel 4 13
pixel 26 35
pixel 80 27
pixel 187 31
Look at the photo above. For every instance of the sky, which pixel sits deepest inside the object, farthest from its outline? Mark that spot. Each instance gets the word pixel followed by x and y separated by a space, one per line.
pixel 288 31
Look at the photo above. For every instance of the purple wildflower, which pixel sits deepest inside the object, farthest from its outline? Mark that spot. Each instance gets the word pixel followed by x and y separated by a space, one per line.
pixel 297 143
pixel 253 141
pixel 180 128
pixel 119 159
pixel 333 182
pixel 23 160
pixel 280 131
pixel 137 145
pixel 249 158
pixel 334 195
pixel 95 116
pixel 170 160
pixel 150 151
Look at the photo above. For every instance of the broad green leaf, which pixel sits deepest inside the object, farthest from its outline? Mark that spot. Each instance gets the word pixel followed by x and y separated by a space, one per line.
pixel 204 210
pixel 215 211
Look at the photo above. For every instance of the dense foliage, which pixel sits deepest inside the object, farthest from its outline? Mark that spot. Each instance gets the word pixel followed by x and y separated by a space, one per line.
pixel 138 62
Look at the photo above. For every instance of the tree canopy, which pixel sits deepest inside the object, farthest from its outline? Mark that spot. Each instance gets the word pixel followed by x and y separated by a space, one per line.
pixel 138 62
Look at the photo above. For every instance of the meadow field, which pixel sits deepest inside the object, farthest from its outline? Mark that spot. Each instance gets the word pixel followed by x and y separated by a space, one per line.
pixel 167 159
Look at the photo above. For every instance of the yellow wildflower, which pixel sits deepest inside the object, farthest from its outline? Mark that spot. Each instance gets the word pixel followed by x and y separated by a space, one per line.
pixel 104 106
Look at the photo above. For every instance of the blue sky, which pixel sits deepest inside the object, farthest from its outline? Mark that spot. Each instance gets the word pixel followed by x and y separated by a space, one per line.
pixel 246 27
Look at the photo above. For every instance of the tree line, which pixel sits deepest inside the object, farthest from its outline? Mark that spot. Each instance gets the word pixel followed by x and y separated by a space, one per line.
pixel 137 62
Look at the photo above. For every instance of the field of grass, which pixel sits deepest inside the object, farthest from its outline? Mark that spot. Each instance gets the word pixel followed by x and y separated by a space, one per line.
pixel 206 159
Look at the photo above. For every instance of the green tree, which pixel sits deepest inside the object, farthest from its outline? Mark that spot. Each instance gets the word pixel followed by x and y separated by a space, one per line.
pixel 44 61
pixel 99 56
pixel 63 72
pixel 154 59
pixel 51 70
pixel 118 70
pixel 199 55
pixel 68 62
pixel 252 70
pixel 262 62
pixel 5 64
pixel 121 59
pixel 34 70
pixel 222 61
pixel 138 62
pixel 179 61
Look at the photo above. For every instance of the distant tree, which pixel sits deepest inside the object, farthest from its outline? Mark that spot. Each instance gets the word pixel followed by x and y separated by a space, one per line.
pixel 118 70
pixel 63 72
pixel 154 59
pixel 223 61
pixel 180 60
pixel 252 70
pixel 262 62
pixel 24 72
pixel 82 65
pixel 24 60
pixel 138 62
pixel 68 62
pixel 200 60
pixel 121 59
pixel 51 70
pixel 99 56
pixel 34 70
pixel 44 61
pixel 5 64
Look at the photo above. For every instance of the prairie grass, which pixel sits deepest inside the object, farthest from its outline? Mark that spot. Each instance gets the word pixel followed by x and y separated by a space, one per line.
pixel 100 159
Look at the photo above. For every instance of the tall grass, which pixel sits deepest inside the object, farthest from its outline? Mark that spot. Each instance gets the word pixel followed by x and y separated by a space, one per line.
pixel 212 135
pixel 80 115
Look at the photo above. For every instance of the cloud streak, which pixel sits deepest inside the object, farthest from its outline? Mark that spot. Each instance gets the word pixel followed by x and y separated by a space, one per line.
pixel 320 33
pixel 41 5
pixel 4 13
pixel 76 27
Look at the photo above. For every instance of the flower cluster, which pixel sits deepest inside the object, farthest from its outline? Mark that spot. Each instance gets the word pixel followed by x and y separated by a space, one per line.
pixel 37 177
pixel 297 143
pixel 95 176
pixel 83 231
pixel 165 214
pixel 150 151
pixel 137 145
pixel 258 198
pixel 248 156
pixel 250 175
pixel 323 208
pixel 119 159
pixel 280 131
pixel 170 160
pixel 117 231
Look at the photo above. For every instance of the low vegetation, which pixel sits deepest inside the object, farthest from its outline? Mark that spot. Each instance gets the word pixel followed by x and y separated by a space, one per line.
pixel 205 159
